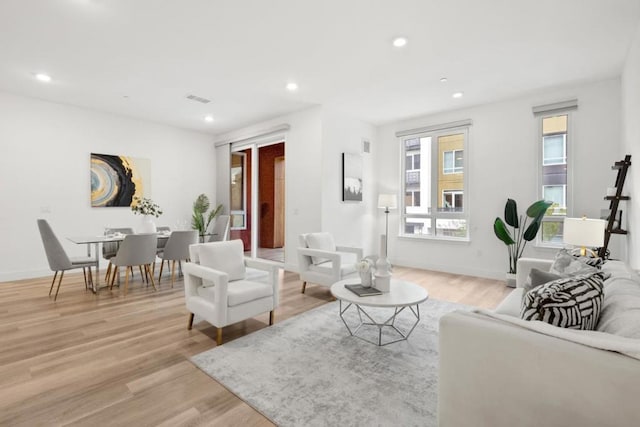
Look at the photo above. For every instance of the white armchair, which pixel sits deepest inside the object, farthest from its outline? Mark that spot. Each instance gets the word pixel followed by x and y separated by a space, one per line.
pixel 321 261
pixel 223 287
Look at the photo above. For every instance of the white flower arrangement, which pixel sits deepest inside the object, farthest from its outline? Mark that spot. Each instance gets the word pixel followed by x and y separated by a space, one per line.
pixel 364 265
pixel 144 206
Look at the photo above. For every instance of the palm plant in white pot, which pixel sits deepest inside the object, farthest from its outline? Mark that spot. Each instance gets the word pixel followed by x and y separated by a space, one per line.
pixel 516 239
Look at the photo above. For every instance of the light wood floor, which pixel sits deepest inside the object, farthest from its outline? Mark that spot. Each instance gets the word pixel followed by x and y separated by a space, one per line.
pixel 106 359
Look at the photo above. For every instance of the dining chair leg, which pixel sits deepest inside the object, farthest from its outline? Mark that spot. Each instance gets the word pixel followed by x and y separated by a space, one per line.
pixel 173 271
pixel 126 279
pixel 304 286
pixel 107 274
pixel 84 273
pixel 145 277
pixel 53 282
pixel 58 288
pixel 91 277
pixel 190 325
pixel 153 282
pixel 161 267
pixel 114 274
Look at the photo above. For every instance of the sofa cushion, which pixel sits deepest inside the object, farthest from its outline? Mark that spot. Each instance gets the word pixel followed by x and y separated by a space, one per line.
pixel 621 308
pixel 566 264
pixel 321 241
pixel 572 302
pixel 227 257
pixel 539 277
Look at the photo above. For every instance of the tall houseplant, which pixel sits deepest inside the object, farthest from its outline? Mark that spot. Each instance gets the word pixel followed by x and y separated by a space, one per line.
pixel 199 219
pixel 520 233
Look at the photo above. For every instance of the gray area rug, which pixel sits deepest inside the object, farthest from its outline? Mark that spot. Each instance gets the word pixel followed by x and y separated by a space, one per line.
pixel 308 370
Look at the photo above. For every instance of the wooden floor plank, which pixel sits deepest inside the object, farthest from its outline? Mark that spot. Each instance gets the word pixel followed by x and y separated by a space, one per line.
pixel 110 359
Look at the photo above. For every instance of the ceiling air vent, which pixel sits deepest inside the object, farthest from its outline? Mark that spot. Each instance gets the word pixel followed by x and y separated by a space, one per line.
pixel 198 99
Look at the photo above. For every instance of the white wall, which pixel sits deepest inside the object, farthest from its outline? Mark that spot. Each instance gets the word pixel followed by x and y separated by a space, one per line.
pixel 303 184
pixel 351 223
pixel 44 173
pixel 503 161
pixel 631 143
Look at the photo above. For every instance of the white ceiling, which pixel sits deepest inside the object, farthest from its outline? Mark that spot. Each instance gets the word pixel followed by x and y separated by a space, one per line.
pixel 140 58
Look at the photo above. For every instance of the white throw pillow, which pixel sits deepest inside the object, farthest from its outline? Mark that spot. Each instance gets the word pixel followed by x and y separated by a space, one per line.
pixel 321 241
pixel 227 257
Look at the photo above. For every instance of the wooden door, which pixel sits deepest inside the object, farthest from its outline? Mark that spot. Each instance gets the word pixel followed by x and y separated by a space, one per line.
pixel 278 202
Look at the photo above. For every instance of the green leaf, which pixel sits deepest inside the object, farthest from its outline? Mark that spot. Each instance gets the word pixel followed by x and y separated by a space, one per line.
pixel 532 229
pixel 511 213
pixel 502 233
pixel 537 209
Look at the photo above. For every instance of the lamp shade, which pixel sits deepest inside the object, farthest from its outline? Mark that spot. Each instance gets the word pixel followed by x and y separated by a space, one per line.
pixel 387 201
pixel 584 232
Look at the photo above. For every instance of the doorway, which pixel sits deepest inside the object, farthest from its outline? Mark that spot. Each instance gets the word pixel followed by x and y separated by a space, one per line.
pixel 257 206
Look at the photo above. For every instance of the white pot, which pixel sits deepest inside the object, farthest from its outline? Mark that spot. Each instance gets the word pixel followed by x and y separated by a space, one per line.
pixel 147 225
pixel 511 280
pixel 365 279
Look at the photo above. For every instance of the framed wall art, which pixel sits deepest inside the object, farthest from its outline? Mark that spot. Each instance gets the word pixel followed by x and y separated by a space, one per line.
pixel 351 177
pixel 115 180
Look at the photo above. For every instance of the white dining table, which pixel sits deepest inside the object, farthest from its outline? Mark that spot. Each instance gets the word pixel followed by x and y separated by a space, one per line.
pixel 95 241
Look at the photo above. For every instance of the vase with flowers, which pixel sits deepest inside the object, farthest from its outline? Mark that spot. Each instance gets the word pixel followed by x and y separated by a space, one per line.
pixel 148 209
pixel 364 267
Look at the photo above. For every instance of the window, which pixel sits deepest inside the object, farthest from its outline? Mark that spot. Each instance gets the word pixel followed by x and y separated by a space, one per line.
pixel 554 148
pixel 453 161
pixel 434 183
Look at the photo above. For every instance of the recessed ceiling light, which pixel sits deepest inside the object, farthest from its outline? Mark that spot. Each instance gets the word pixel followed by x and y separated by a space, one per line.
pixel 208 118
pixel 292 86
pixel 43 77
pixel 399 41
pixel 457 95
pixel 443 80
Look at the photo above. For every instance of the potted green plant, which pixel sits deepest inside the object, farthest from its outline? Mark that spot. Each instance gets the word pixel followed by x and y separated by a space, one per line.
pixel 520 233
pixel 147 208
pixel 199 219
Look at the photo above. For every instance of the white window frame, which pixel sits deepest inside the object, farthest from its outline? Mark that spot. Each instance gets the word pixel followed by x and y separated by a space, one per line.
pixel 564 188
pixel 454 168
pixel 434 132
pixel 567 108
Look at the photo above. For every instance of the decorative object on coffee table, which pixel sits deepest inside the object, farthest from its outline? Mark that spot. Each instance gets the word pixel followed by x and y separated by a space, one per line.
pixel 365 270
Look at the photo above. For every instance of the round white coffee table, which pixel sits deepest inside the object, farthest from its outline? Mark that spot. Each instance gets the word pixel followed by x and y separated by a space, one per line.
pixel 402 294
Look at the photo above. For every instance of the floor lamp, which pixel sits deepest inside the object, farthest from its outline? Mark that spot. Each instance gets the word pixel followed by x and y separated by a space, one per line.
pixel 386 202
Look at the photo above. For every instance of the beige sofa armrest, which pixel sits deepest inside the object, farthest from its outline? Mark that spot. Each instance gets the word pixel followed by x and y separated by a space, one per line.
pixel 493 373
pixel 524 268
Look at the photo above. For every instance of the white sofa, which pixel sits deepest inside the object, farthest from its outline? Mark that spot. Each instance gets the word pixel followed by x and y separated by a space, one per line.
pixel 498 370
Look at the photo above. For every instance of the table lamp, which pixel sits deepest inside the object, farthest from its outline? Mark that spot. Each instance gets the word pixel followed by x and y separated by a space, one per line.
pixel 386 202
pixel 584 232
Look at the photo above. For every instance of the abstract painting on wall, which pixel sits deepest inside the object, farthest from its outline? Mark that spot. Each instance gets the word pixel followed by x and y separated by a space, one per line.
pixel 115 180
pixel 351 177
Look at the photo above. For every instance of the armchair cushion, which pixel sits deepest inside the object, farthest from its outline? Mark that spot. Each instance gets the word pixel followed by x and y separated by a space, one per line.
pixel 226 258
pixel 322 241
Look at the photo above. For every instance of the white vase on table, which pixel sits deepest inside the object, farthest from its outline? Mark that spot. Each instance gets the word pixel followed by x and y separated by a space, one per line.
pixel 147 225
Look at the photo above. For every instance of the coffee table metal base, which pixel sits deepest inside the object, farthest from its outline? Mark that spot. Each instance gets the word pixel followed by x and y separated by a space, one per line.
pixel 389 323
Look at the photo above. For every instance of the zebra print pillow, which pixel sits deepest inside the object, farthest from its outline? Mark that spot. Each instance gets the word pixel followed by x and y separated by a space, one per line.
pixel 570 302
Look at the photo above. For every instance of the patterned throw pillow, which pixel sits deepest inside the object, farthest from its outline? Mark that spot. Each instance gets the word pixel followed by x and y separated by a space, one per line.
pixel 571 302
pixel 566 264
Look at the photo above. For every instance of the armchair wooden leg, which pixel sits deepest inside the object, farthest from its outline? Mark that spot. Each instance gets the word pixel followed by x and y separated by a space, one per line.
pixel 58 288
pixel 304 286
pixel 219 336
pixel 53 282
pixel 190 325
pixel 272 317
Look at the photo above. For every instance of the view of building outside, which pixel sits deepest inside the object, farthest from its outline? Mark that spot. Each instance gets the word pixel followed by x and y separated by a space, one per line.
pixel 554 175
pixel 443 163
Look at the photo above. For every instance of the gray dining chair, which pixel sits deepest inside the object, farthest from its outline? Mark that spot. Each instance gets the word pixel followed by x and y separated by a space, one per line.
pixel 162 242
pixel 177 249
pixel 135 250
pixel 220 232
pixel 59 261
pixel 109 249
